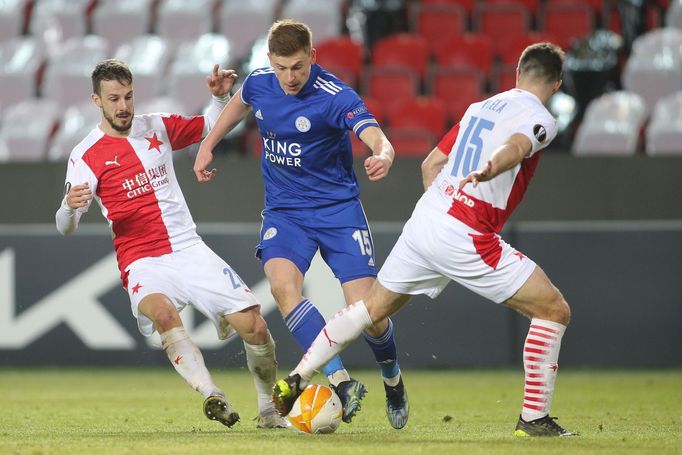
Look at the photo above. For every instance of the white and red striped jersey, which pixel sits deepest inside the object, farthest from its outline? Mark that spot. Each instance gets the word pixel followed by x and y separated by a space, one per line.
pixel 133 181
pixel 485 126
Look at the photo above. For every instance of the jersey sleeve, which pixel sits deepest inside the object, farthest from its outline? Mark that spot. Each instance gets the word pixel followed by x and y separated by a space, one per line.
pixel 348 111
pixel 541 128
pixel 245 91
pixel 77 173
pixel 183 131
pixel 445 145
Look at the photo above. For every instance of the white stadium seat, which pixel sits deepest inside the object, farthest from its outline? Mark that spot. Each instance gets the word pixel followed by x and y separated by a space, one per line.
pixel 673 16
pixel 148 57
pixel 323 18
pixel 653 76
pixel 244 22
pixel 76 123
pixel 20 62
pixel 611 125
pixel 194 61
pixel 664 132
pixel 11 18
pixel 656 40
pixel 26 130
pixel 181 20
pixel 121 20
pixel 58 20
pixel 67 77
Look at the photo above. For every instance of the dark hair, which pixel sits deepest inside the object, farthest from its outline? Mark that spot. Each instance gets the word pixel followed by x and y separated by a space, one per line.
pixel 286 37
pixel 111 70
pixel 542 62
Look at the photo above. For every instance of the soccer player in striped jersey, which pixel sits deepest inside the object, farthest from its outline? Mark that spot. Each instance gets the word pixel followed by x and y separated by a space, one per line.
pixel 305 115
pixel 474 179
pixel 125 164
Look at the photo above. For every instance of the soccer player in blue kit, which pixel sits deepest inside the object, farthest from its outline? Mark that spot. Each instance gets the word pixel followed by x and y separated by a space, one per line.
pixel 304 115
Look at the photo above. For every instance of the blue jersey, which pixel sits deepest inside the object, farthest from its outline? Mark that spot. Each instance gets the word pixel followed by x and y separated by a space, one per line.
pixel 307 160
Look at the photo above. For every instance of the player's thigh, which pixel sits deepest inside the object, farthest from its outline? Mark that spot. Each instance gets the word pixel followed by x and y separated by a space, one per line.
pixel 215 288
pixel 284 237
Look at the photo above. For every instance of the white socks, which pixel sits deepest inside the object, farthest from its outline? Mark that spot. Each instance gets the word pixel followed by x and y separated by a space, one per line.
pixel 188 361
pixel 344 327
pixel 540 356
pixel 263 366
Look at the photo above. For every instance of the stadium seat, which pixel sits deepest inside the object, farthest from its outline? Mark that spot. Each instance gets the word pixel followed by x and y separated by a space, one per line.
pixel 410 142
pixel 597 6
pixel 567 22
pixel 468 5
pixel 122 20
pixel 179 20
pixel 11 18
pixel 59 19
pixel 77 122
pixel 21 59
pixel 664 132
pixel 611 125
pixel 244 22
pixel 467 51
pixel 457 87
pixel 402 50
pixel 420 113
pixel 505 77
pixel 656 41
pixel 341 52
pixel 26 130
pixel 653 76
pixel 194 61
pixel 511 51
pixel 148 57
pixel 67 77
pixel 323 18
pixel 531 5
pixel 502 22
pixel 673 16
pixel 389 85
pixel 438 23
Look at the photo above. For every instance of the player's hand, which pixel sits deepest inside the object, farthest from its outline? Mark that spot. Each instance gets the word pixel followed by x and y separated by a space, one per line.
pixel 79 196
pixel 221 81
pixel 202 162
pixel 377 167
pixel 474 177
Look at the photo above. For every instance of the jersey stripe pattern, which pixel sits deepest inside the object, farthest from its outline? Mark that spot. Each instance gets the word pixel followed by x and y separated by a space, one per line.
pixel 134 183
pixel 486 126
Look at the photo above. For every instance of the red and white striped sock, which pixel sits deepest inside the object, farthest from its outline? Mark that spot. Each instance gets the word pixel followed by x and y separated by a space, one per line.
pixel 540 356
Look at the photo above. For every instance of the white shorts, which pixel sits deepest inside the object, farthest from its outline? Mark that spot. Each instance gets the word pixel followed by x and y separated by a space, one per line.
pixel 193 276
pixel 435 248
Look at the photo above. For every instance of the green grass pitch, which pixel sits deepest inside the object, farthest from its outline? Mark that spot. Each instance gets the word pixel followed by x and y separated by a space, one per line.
pixel 152 411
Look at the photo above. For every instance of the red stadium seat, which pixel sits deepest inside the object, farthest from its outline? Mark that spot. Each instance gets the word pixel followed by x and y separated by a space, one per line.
pixel 511 51
pixel 341 52
pixel 597 6
pixel 469 50
pixel 457 87
pixel 502 22
pixel 403 50
pixel 389 85
pixel 530 5
pixel 410 142
pixel 468 5
pixel 506 77
pixel 376 108
pixel 567 22
pixel 438 23
pixel 421 113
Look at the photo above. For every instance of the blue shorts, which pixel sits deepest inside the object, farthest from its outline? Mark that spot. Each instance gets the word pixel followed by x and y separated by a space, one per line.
pixel 340 232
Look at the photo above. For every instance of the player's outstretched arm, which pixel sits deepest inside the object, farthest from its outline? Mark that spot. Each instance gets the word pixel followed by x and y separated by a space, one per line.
pixel 432 165
pixel 68 215
pixel 505 157
pixel 377 165
pixel 233 113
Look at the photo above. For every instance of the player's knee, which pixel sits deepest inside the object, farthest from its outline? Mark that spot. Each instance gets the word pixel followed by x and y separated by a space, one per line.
pixel 559 310
pixel 165 317
pixel 283 290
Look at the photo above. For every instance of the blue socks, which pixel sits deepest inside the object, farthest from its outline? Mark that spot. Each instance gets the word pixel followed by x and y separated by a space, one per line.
pixel 305 322
pixel 385 352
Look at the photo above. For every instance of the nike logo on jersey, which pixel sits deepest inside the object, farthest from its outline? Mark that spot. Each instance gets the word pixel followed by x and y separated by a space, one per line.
pixel 114 161
pixel 259 115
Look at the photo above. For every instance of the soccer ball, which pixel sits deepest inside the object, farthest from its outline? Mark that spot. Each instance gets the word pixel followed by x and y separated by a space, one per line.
pixel 317 410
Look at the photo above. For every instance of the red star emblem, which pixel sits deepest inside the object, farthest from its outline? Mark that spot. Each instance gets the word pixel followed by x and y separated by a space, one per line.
pixel 154 143
pixel 136 288
pixel 177 360
pixel 554 367
pixel 520 255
